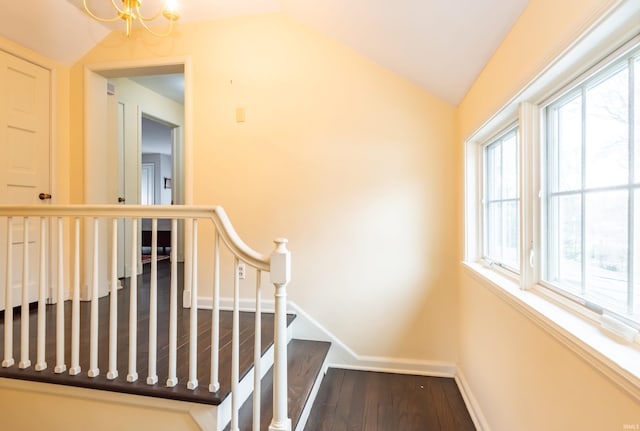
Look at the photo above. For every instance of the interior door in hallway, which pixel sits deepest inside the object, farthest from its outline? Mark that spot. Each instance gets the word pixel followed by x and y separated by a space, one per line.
pixel 24 163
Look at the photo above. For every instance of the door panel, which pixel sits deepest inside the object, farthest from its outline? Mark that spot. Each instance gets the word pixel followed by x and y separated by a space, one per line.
pixel 24 165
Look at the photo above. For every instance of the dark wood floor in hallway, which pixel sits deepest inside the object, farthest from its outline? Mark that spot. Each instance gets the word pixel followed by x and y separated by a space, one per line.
pixel 369 401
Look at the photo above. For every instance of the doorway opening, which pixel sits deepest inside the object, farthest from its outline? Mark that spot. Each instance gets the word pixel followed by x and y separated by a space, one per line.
pixel 156 183
pixel 137 97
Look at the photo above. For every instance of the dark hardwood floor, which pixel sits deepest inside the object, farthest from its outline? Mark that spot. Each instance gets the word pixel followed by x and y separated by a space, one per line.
pixel 369 401
pixel 180 392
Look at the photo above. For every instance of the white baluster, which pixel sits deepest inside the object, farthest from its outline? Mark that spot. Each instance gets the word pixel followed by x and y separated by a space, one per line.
pixel 112 373
pixel 60 367
pixel 132 375
pixel 94 371
pixel 257 353
pixel 215 318
pixel 235 347
pixel 42 299
pixel 172 378
pixel 8 300
pixel 193 323
pixel 188 248
pixel 152 377
pixel 280 276
pixel 75 304
pixel 24 308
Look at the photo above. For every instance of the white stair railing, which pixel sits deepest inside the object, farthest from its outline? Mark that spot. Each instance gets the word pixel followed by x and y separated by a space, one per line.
pixel 58 222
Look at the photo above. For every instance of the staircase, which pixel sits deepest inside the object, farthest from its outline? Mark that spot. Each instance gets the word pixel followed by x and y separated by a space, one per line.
pixel 144 343
pixel 305 362
pixel 147 336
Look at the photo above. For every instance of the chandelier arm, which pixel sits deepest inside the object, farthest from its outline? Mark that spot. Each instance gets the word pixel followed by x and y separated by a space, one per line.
pixel 97 18
pixel 144 18
pixel 156 33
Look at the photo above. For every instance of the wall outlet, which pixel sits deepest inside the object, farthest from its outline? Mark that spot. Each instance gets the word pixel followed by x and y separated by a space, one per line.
pixel 242 271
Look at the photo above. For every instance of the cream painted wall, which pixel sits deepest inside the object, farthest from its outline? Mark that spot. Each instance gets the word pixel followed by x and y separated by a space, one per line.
pixel 41 410
pixel 543 31
pixel 524 379
pixel 521 376
pixel 353 164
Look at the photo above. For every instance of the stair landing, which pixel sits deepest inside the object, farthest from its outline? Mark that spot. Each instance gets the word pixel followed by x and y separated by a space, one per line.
pixel 140 387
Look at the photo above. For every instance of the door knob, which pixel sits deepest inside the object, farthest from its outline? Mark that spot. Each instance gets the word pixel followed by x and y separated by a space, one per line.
pixel 121 200
pixel 44 196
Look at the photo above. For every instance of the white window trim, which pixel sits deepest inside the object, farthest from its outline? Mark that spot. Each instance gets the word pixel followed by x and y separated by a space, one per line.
pixel 576 327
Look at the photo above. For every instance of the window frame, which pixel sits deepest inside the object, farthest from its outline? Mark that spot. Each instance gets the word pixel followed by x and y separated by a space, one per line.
pixel 578 88
pixel 580 328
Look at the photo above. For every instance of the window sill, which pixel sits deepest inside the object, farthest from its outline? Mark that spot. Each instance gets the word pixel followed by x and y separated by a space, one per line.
pixel 617 360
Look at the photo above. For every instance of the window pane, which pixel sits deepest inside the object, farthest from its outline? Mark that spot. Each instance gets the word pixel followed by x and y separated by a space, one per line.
pixel 637 122
pixel 510 171
pixel 606 246
pixel 494 231
pixel 607 131
pixel 510 228
pixel 635 309
pixel 494 172
pixel 565 227
pixel 501 201
pixel 570 145
pixel 592 202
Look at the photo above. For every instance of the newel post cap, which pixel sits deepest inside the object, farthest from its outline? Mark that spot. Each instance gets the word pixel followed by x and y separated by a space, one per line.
pixel 280 262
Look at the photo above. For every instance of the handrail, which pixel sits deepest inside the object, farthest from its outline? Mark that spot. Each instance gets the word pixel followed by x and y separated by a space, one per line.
pixel 216 213
pixel 277 264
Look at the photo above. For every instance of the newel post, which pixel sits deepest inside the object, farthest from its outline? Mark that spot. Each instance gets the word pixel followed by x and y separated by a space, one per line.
pixel 280 276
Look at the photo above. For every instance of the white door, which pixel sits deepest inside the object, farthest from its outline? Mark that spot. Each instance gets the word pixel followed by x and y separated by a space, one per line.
pixel 24 162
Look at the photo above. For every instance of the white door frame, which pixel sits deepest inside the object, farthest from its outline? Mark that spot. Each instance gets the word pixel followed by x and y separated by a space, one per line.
pixel 155 66
pixel 147 67
pixel 148 170
pixel 175 131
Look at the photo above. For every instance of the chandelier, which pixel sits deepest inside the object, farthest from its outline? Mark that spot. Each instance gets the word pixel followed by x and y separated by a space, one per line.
pixel 130 11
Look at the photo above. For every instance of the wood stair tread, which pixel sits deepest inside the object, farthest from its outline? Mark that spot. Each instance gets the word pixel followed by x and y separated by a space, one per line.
pixel 305 360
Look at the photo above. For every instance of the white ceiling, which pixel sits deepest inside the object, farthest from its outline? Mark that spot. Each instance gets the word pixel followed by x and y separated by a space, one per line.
pixel 439 45
pixel 169 85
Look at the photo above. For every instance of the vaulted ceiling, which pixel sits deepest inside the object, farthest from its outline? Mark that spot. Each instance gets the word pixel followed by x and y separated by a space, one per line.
pixel 439 45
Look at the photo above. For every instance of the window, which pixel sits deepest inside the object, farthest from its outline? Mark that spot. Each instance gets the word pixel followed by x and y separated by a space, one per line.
pixel 501 202
pixel 592 197
pixel 552 198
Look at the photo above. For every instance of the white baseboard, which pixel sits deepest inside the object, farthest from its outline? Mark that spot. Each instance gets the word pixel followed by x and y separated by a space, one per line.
pixel 342 356
pixel 306 327
pixel 471 402
pixel 226 304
